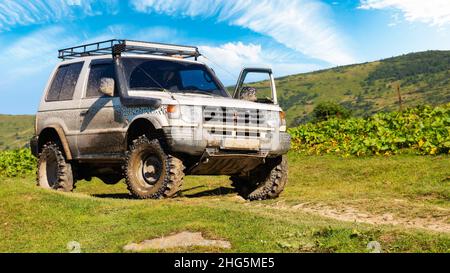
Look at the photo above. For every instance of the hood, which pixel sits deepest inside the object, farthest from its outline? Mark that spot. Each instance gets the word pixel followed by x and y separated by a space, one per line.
pixel 198 99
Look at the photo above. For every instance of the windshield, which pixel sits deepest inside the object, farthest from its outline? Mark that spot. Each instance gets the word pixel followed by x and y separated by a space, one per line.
pixel 177 77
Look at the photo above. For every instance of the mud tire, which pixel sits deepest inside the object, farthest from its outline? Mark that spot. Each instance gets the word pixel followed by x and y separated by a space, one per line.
pixel 267 181
pixel 53 171
pixel 168 168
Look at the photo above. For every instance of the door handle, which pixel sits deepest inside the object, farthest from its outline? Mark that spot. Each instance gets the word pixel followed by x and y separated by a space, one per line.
pixel 84 113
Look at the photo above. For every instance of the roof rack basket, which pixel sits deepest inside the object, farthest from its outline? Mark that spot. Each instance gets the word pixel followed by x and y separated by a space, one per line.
pixel 117 47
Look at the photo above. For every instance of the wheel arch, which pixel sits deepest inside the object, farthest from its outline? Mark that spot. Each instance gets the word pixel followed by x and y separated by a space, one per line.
pixel 55 133
pixel 149 127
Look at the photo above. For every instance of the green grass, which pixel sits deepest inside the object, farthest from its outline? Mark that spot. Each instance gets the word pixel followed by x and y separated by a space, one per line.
pixel 15 131
pixel 103 219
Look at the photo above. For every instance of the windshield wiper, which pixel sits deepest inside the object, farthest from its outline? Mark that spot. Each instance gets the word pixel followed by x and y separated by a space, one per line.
pixel 149 88
pixel 199 92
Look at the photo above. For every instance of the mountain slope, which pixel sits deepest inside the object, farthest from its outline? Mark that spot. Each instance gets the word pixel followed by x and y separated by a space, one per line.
pixel 15 131
pixel 367 88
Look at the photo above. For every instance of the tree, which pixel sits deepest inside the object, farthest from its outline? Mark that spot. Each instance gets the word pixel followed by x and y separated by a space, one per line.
pixel 325 110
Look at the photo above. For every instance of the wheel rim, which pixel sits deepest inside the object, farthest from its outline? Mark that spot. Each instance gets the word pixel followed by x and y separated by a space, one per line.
pixel 151 170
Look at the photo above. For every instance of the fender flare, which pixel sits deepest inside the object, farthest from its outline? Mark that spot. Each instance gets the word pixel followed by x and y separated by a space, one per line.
pixel 62 137
pixel 154 122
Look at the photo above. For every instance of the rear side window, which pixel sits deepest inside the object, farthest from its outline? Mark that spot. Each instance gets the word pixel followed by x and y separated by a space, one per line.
pixel 64 82
pixel 98 71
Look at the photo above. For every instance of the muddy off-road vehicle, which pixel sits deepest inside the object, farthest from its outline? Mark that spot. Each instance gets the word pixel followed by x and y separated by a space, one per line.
pixel 152 113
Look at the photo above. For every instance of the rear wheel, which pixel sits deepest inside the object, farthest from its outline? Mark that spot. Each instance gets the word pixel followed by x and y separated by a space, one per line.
pixel 150 172
pixel 267 181
pixel 53 171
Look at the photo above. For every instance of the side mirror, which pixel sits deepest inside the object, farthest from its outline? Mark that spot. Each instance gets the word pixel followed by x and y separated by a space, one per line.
pixel 248 93
pixel 107 86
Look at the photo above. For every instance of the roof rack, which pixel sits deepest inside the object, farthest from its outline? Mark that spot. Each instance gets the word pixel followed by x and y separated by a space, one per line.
pixel 116 47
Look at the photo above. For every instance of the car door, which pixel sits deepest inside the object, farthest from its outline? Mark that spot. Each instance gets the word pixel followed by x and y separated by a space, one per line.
pixel 256 84
pixel 102 130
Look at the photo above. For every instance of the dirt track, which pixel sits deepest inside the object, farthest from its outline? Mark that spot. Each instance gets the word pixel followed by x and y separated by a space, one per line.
pixel 350 214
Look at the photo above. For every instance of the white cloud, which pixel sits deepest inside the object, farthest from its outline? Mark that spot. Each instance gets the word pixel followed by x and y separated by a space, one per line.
pixel 157 34
pixel 301 25
pixel 25 12
pixel 29 60
pixel 33 53
pixel 432 12
pixel 228 59
pixel 26 65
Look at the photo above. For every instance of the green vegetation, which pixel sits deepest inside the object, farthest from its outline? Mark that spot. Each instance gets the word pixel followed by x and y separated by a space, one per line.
pixel 15 163
pixel 368 88
pixel 424 130
pixel 15 131
pixel 410 67
pixel 327 110
pixel 103 219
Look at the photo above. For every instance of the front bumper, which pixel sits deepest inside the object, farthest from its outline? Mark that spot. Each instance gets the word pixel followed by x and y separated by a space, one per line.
pixel 34 146
pixel 194 141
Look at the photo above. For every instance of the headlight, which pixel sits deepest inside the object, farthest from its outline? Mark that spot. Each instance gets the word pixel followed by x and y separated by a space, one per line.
pixel 277 119
pixel 191 114
pixel 273 119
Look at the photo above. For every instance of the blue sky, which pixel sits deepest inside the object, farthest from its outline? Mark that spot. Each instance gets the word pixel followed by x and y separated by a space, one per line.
pixel 289 36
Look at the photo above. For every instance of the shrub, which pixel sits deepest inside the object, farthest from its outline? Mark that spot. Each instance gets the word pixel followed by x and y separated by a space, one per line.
pixel 327 110
pixel 423 130
pixel 15 163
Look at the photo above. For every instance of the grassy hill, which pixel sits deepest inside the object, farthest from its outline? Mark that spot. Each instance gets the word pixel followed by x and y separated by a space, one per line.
pixel 367 88
pixel 15 131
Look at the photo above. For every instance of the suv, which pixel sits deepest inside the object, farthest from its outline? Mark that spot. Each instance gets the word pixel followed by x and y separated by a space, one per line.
pixel 152 113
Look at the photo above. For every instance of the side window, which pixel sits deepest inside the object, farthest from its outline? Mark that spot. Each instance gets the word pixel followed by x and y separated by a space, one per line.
pixel 55 88
pixel 64 82
pixel 98 71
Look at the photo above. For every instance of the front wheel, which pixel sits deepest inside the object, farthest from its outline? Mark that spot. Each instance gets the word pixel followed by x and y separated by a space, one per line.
pixel 150 172
pixel 267 181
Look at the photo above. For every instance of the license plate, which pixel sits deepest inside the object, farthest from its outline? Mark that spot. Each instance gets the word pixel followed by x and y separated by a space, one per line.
pixel 241 144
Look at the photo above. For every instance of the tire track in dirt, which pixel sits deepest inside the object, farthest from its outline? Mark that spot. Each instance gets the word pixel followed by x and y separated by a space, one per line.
pixel 350 214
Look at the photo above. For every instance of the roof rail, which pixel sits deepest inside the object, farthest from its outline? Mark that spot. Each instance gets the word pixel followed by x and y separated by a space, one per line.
pixel 116 47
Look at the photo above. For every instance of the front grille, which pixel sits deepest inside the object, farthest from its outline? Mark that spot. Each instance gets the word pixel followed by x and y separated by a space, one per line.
pixel 234 122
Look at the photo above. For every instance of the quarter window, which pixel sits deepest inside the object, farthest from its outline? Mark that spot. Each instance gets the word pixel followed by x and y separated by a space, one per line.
pixel 64 82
